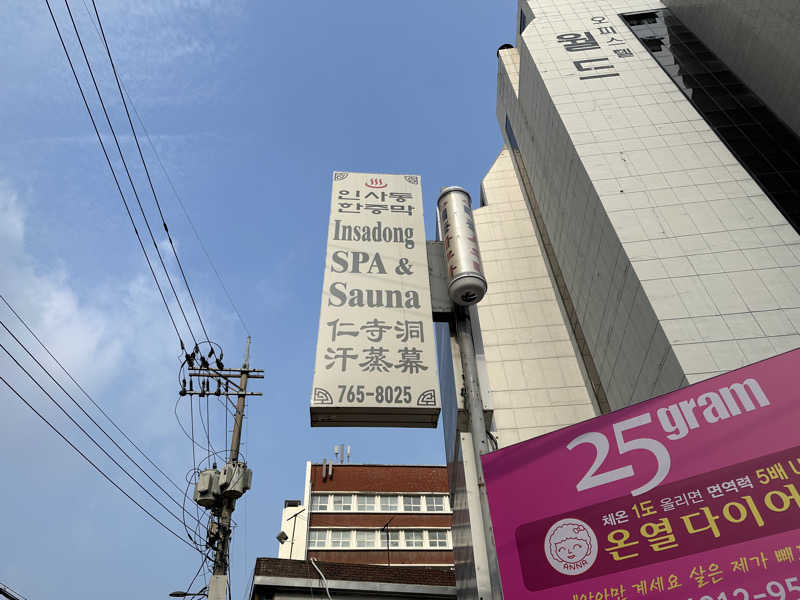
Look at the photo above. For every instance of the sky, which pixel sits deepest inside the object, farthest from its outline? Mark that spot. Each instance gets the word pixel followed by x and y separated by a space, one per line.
pixel 250 106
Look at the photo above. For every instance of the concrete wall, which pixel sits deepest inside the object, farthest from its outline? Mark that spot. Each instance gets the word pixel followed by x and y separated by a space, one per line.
pixel 297 526
pixel 758 40
pixel 677 263
pixel 535 373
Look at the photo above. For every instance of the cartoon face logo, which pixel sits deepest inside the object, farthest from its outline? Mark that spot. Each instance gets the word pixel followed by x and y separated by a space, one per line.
pixel 570 547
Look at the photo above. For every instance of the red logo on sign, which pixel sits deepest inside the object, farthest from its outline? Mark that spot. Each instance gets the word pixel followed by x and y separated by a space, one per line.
pixel 376 182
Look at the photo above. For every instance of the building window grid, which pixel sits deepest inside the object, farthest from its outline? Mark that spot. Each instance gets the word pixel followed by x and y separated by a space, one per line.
pixel 437 538
pixel 434 503
pixel 394 539
pixel 379 503
pixel 365 502
pixel 317 538
pixel 342 502
pixel 319 502
pixel 414 538
pixel 365 539
pixel 388 503
pixel 762 143
pixel 341 538
pixel 412 503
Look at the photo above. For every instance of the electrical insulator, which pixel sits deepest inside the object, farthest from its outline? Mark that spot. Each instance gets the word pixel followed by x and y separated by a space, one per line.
pixel 235 479
pixel 207 490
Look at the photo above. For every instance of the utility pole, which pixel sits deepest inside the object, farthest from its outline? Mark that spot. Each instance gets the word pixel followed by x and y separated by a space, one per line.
pixel 217 490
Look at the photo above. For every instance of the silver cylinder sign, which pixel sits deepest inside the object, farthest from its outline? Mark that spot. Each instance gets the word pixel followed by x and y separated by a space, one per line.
pixel 464 268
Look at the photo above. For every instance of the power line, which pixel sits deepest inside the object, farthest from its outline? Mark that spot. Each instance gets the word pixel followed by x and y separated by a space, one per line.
pixel 87 459
pixel 96 424
pixel 125 166
pixel 7 592
pixel 172 186
pixel 113 172
pixel 146 170
pixel 85 393
pixel 78 425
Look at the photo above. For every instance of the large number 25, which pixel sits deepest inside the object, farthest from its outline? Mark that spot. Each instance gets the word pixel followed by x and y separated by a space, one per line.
pixel 594 479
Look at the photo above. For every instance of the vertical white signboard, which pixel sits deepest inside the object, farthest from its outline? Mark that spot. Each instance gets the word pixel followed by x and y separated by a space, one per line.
pixel 376 359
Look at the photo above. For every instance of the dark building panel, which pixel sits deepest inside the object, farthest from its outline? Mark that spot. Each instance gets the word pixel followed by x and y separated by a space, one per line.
pixel 758 40
pixel 377 557
pixel 763 144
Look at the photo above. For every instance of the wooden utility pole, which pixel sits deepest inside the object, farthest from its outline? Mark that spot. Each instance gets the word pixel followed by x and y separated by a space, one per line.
pixel 234 473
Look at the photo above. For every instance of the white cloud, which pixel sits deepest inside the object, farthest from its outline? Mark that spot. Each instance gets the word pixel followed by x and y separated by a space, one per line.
pixel 115 339
pixel 12 223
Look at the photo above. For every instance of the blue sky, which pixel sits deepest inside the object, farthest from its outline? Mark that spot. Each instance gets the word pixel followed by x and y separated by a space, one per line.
pixel 251 106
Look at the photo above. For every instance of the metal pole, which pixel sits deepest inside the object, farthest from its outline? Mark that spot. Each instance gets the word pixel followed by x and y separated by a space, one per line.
pixel 218 583
pixel 293 518
pixel 479 435
pixel 291 546
pixel 386 527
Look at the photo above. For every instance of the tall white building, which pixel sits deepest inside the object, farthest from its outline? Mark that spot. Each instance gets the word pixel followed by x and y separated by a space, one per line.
pixel 639 228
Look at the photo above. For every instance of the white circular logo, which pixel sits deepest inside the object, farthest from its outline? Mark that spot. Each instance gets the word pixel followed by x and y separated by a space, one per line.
pixel 570 547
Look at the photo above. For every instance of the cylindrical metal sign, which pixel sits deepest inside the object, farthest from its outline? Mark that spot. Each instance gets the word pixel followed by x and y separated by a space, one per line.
pixel 464 268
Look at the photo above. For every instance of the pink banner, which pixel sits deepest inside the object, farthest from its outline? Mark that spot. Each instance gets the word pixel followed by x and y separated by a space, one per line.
pixel 691 495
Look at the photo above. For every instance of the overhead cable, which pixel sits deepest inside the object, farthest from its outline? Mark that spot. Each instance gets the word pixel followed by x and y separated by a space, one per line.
pixel 146 170
pixel 127 171
pixel 86 433
pixel 85 393
pixel 87 459
pixel 96 424
pixel 172 185
pixel 113 172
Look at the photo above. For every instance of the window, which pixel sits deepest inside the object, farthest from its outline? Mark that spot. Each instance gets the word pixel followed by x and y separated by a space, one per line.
pixel 319 502
pixel 317 538
pixel 342 502
pixel 366 503
pixel 412 503
pixel 340 538
pixel 434 503
pixel 763 144
pixel 523 21
pixel 365 538
pixel 389 503
pixel 414 538
pixel 437 538
pixel 394 539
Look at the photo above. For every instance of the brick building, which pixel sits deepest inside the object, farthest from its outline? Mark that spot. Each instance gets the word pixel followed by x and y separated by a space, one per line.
pixel 280 579
pixel 371 514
